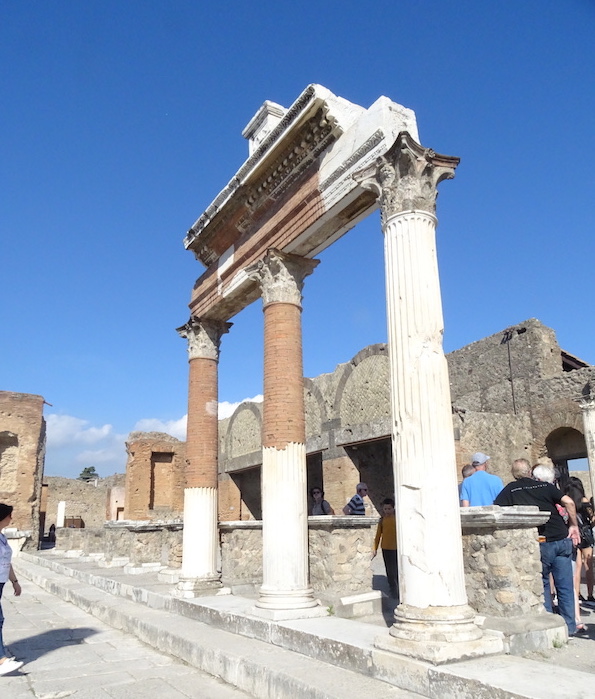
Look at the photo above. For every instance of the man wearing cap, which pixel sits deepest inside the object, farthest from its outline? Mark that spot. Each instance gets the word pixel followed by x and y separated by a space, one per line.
pixel 481 488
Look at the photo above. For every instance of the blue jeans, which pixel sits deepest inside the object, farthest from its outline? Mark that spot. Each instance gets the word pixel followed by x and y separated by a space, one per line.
pixel 556 558
pixel 2 648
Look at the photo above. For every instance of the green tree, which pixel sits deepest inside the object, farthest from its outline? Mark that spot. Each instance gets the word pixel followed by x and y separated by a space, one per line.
pixel 88 474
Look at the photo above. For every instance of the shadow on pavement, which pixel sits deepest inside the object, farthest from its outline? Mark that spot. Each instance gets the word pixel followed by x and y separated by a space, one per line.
pixel 33 647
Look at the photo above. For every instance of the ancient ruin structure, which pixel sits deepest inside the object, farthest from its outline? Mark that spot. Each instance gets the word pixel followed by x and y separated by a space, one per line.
pixel 348 428
pixel 315 170
pixel 155 477
pixel 22 452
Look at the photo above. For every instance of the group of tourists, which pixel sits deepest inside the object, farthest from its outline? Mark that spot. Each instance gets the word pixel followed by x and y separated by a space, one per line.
pixel 386 532
pixel 565 540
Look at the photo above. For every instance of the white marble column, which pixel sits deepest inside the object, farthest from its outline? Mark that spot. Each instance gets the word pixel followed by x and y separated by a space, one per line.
pixel 200 538
pixel 60 515
pixel 433 620
pixel 285 591
pixel 588 409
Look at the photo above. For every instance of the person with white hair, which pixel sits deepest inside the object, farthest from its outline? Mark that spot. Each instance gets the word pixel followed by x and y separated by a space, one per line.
pixel 556 540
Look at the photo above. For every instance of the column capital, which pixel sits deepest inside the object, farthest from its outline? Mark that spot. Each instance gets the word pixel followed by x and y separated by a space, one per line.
pixel 281 276
pixel 406 177
pixel 587 402
pixel 204 337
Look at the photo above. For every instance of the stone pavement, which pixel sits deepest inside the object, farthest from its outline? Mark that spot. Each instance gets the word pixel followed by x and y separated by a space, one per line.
pixel 69 653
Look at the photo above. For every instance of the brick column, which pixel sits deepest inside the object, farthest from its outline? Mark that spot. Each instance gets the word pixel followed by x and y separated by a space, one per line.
pixel 433 621
pixel 201 537
pixel 285 588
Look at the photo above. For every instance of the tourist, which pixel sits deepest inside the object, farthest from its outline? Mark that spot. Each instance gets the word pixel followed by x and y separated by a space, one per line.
pixel 466 471
pixel 555 539
pixel 386 537
pixel 586 520
pixel 7 574
pixel 356 505
pixel 481 487
pixel 320 506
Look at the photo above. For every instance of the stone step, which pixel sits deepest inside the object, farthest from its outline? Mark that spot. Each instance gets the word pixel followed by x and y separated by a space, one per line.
pixel 261 669
pixel 336 645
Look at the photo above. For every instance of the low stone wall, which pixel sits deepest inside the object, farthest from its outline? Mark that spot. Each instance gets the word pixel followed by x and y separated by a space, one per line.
pixel 339 549
pixel 138 542
pixel 500 551
pixel 502 560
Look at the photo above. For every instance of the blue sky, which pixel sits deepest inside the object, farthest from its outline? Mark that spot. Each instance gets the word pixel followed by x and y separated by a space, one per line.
pixel 120 122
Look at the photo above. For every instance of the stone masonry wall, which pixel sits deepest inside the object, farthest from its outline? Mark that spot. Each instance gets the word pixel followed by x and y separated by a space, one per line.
pixel 155 476
pixel 88 500
pixel 22 453
pixel 503 571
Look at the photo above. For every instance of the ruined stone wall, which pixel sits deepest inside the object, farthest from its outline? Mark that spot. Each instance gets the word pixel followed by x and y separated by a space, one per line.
pixel 155 476
pixel 339 554
pixel 502 437
pixel 89 500
pixel 483 373
pixel 348 424
pixel 503 571
pixel 22 453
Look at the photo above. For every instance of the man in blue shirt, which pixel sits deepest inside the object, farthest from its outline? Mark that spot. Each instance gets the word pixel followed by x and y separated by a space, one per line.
pixel 481 488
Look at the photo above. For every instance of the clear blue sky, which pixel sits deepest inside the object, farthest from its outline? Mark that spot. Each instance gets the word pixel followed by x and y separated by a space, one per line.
pixel 120 121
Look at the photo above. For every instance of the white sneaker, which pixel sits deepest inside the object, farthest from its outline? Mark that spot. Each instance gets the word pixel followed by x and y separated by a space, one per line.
pixel 10 666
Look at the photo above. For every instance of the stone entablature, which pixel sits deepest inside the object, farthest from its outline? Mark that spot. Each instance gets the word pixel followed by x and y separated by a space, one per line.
pixel 296 193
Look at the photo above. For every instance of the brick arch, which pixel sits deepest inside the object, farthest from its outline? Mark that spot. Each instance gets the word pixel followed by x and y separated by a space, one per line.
pixel 314 408
pixel 363 392
pixel 244 433
pixel 571 419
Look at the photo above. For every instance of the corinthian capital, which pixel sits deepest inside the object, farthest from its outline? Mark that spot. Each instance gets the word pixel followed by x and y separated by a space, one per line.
pixel 407 176
pixel 204 337
pixel 281 276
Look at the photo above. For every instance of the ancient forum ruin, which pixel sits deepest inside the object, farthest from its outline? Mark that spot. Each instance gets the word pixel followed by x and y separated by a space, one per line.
pixel 313 172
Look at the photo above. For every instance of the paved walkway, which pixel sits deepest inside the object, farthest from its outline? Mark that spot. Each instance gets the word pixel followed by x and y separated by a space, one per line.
pixel 69 653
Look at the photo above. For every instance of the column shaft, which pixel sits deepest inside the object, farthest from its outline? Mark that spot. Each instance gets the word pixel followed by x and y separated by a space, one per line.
pixel 284 504
pixel 200 540
pixel 588 410
pixel 285 587
pixel 430 550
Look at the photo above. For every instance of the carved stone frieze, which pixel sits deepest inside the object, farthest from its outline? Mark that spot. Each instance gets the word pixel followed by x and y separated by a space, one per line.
pixel 406 178
pixel 204 337
pixel 281 276
pixel 314 137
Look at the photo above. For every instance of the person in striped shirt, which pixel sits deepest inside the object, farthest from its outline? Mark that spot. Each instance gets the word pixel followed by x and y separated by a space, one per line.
pixel 356 505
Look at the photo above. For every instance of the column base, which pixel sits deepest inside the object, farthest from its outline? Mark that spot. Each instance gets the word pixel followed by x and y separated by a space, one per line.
pixel 188 588
pixel 438 635
pixel 293 604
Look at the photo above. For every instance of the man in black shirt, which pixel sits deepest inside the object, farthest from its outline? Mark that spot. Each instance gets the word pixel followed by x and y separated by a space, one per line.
pixel 555 538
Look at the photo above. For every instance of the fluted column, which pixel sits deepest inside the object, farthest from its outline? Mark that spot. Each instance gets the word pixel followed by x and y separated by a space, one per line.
pixel 285 586
pixel 433 615
pixel 200 536
pixel 588 409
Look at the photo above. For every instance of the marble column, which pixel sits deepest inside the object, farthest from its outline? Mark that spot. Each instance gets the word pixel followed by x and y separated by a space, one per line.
pixel 433 620
pixel 200 543
pixel 285 590
pixel 588 409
